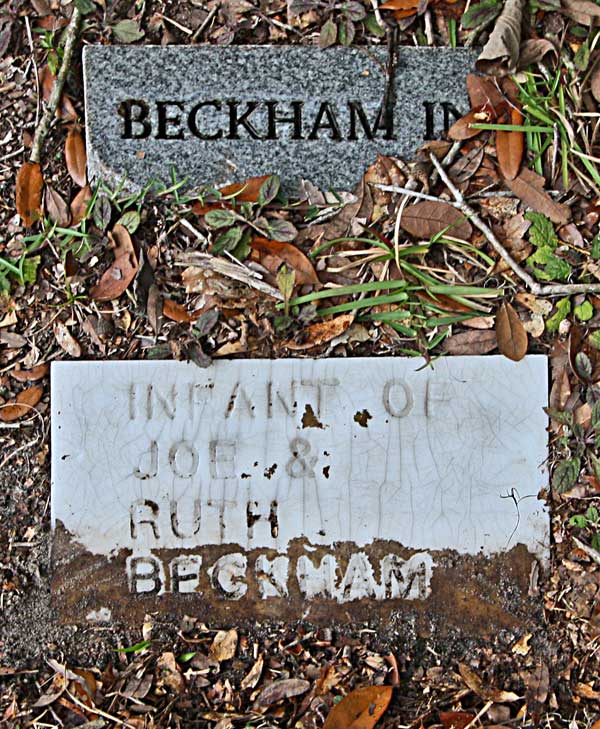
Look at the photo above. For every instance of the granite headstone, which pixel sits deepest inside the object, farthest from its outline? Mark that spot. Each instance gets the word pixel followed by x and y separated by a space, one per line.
pixel 215 115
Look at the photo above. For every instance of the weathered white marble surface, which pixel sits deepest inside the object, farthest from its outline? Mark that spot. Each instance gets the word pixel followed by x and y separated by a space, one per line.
pixel 256 453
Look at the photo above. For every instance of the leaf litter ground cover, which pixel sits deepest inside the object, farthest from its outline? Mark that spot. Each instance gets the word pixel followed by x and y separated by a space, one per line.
pixel 397 266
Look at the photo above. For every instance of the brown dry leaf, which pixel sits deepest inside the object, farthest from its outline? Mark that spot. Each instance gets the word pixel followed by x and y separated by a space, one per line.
pixel 462 129
pixel 522 647
pixel 121 240
pixel 402 8
pixel 22 404
pixel 533 50
pixel 35 373
pixel 323 331
pixel 467 165
pixel 360 709
pixel 116 278
pixel 177 312
pixel 538 685
pixel 279 690
pixel 510 333
pixel 75 156
pixel 168 673
pixel 224 645
pixel 510 147
pixel 66 340
pixel 29 193
pixel 249 189
pixel 273 253
pixel 456 719
pixel 253 676
pixel 477 341
pixel 500 54
pixel 79 206
pixel 476 685
pixel 56 207
pixel 66 110
pixel 484 91
pixel 429 218
pixel 585 12
pixel 528 187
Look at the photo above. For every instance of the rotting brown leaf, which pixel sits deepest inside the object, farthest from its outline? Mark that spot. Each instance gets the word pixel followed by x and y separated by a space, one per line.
pixel 279 690
pixel 66 340
pixel 245 191
pixel 22 404
pixel 35 373
pixel 456 719
pixel 177 312
pixel 224 645
pixel 484 91
pixel 116 278
pixel 253 676
pixel 429 218
pixel 79 206
pixel 510 147
pixel 56 207
pixel 273 253
pixel 581 11
pixel 75 156
pixel 29 193
pixel 500 54
pixel 528 186
pixel 316 334
pixel 462 129
pixel 360 709
pixel 510 333
pixel 477 341
pixel 498 696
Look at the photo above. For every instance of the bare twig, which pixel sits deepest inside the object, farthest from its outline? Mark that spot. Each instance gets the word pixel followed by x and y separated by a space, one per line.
pixel 44 126
pixel 536 288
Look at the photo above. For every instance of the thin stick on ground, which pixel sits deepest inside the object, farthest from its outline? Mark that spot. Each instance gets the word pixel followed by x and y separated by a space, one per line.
pixel 43 127
pixel 534 286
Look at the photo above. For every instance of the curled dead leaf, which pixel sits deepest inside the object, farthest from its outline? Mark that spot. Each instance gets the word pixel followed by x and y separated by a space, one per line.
pixel 510 333
pixel 429 218
pixel 116 278
pixel 273 253
pixel 56 207
pixel 279 690
pixel 360 709
pixel 66 340
pixel 75 156
pixel 29 192
pixel 22 404
pixel 79 206
pixel 462 128
pixel 500 54
pixel 224 645
pixel 320 333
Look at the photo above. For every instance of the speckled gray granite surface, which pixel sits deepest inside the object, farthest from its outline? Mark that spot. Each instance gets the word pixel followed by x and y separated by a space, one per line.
pixel 198 109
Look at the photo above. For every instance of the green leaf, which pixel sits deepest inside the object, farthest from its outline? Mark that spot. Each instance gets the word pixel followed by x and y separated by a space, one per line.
pixel 565 474
pixel 372 26
pixel 227 241
pixel 185 657
pixel 127 31
pixel 242 250
pixel 561 416
pixel 578 520
pixel 541 233
pixel 595 252
pixel 328 35
pixel 354 10
pixel 347 31
pixel 85 6
pixel 592 514
pixel 563 309
pixel 595 465
pixel 102 212
pixel 554 268
pixel 30 267
pixel 286 279
pixel 595 544
pixel 594 339
pixel 483 12
pixel 268 190
pixel 281 230
pixel 4 283
pixel 595 419
pixel 584 312
pixel 582 57
pixel 583 365
pixel 130 220
pixel 142 645
pixel 219 218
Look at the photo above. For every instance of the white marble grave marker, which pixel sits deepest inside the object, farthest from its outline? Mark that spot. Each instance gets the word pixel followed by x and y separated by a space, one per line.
pixel 290 482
